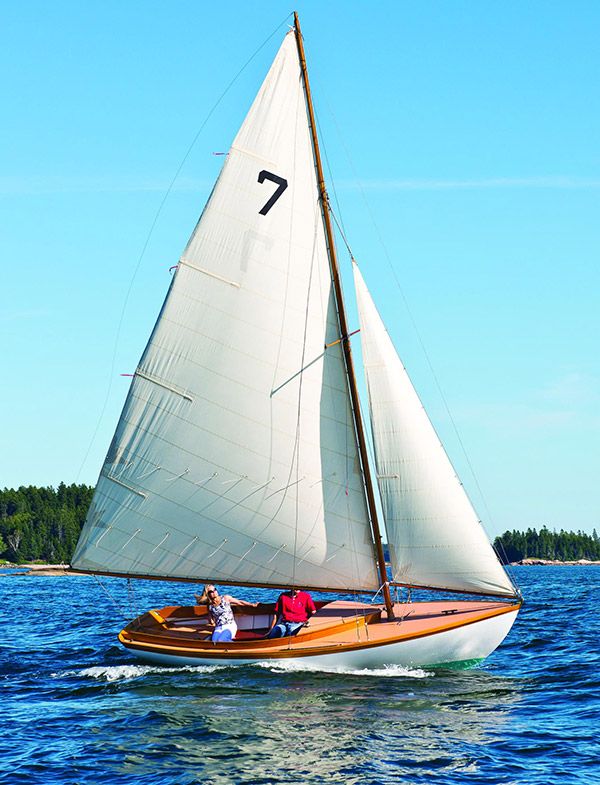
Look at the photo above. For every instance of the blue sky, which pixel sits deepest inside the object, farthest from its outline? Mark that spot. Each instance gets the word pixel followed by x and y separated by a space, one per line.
pixel 463 143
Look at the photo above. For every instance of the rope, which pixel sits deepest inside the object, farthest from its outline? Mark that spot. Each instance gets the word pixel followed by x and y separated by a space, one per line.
pixel 131 597
pixel 340 228
pixel 350 531
pixel 342 234
pixel 331 180
pixel 339 225
pixel 380 589
pixel 111 598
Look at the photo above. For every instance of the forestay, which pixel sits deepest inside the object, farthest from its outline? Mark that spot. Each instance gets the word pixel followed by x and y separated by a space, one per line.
pixel 435 536
pixel 235 458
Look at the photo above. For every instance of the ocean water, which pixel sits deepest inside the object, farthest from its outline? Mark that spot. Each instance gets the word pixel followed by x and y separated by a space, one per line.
pixel 77 708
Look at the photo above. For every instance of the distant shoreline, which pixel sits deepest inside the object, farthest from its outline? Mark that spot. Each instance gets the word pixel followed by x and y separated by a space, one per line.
pixel 40 569
pixel 550 562
pixel 64 569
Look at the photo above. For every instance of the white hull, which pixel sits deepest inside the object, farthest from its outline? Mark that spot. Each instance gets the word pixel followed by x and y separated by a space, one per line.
pixel 458 647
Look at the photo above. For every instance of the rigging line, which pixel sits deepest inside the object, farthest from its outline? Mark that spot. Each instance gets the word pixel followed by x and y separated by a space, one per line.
pixel 412 320
pixel 411 317
pixel 501 554
pixel 301 371
pixel 300 385
pixel 285 487
pixel 323 147
pixel 331 180
pixel 342 234
pixel 376 490
pixel 244 498
pixel 349 526
pixel 131 597
pixel 111 598
pixel 368 432
pixel 151 231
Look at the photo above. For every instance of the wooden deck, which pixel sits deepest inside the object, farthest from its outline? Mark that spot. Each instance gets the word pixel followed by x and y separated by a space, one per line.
pixel 184 631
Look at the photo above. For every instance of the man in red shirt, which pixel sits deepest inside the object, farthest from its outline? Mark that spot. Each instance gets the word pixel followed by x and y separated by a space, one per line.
pixel 292 610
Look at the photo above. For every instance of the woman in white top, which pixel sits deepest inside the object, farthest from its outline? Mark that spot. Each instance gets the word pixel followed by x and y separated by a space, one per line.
pixel 220 614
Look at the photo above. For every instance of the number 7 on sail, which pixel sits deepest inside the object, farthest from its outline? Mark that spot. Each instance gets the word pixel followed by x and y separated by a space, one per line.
pixel 281 183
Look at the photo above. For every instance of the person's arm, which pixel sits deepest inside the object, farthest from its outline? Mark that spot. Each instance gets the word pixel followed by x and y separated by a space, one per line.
pixel 234 601
pixel 311 608
pixel 276 613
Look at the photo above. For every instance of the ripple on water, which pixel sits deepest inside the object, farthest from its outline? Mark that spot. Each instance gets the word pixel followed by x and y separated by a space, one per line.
pixel 81 710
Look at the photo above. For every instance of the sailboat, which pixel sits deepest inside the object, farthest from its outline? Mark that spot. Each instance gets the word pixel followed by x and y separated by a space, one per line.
pixel 240 456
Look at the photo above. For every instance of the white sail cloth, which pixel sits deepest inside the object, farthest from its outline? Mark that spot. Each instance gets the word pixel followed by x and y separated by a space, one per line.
pixel 235 457
pixel 435 537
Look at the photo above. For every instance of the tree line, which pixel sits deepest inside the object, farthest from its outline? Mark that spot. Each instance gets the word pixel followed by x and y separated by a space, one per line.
pixel 43 524
pixel 545 544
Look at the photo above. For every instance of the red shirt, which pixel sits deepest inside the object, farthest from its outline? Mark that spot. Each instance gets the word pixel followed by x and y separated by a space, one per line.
pixel 297 608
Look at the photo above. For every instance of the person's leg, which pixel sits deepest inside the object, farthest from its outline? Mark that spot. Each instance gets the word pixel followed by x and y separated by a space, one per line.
pixel 293 627
pixel 224 633
pixel 278 631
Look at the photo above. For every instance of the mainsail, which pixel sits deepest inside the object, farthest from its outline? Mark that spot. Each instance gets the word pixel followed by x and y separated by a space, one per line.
pixel 435 537
pixel 235 456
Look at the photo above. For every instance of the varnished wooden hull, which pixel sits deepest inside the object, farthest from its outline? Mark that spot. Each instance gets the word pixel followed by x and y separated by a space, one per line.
pixel 340 635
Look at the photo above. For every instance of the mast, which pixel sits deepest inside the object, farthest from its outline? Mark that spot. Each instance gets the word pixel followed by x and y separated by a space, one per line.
pixel 360 434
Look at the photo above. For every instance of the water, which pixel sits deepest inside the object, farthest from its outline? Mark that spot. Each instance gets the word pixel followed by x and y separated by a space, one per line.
pixel 76 708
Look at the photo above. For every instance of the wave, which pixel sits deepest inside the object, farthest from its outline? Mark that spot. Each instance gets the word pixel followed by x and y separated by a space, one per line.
pixel 119 672
pixel 111 673
pixel 387 671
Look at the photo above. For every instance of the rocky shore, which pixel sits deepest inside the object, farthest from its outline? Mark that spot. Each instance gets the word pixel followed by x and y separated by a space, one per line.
pixel 38 569
pixel 535 562
pixel 64 569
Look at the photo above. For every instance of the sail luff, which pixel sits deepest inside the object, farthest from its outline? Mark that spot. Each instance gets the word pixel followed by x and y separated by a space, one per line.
pixel 436 538
pixel 347 349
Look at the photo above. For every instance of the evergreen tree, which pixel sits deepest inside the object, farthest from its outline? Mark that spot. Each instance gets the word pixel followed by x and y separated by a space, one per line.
pixel 564 546
pixel 42 523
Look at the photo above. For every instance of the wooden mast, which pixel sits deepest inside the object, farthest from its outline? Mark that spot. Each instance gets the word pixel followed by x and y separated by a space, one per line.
pixel 360 434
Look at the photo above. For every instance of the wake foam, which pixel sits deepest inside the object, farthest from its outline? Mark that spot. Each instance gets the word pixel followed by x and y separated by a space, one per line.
pixel 119 672
pixel 387 671
pixel 113 673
